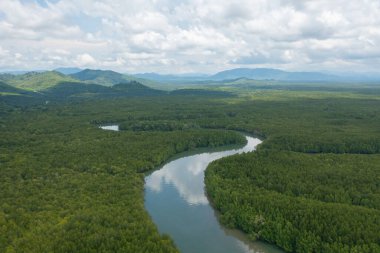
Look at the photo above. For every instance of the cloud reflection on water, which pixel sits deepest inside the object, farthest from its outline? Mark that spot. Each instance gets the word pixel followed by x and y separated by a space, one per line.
pixel 187 174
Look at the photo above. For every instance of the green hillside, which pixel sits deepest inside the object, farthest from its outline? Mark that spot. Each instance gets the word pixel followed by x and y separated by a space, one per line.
pixel 108 78
pixel 136 88
pixel 67 90
pixel 36 81
pixel 6 89
pixel 102 77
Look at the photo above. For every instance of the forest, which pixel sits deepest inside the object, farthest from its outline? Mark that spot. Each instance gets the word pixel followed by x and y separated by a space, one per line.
pixel 300 202
pixel 312 186
pixel 68 186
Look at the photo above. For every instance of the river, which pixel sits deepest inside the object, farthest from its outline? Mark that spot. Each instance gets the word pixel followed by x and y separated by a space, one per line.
pixel 175 199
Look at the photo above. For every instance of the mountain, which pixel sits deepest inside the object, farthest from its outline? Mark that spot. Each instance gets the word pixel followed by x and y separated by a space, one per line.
pixel 84 90
pixel 6 89
pixel 133 85
pixel 102 77
pixel 255 74
pixel 76 90
pixel 68 71
pixel 35 80
pixel 171 78
pixel 136 88
pixel 73 89
pixel 271 74
pixel 110 78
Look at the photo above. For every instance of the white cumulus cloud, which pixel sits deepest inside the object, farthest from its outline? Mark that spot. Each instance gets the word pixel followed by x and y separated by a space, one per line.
pixel 84 60
pixel 185 36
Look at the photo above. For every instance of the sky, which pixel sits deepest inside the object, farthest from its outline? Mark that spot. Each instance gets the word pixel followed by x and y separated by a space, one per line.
pixel 184 36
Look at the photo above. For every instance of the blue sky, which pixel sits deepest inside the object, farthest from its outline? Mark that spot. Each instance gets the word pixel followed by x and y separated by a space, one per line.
pixel 184 36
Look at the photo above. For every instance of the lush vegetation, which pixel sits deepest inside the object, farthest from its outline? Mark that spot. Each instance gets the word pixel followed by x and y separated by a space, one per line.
pixel 79 91
pixel 301 202
pixel 39 81
pixel 311 187
pixel 36 81
pixel 107 77
pixel 68 186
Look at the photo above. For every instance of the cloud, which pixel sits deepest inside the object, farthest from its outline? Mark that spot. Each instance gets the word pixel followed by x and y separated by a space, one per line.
pixel 265 57
pixel 84 60
pixel 187 174
pixel 198 35
pixel 3 52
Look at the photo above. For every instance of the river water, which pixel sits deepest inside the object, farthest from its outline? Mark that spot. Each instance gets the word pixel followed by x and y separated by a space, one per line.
pixel 175 199
pixel 110 127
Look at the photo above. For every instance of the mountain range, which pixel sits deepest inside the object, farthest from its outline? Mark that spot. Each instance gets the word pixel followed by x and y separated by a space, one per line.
pixel 262 74
pixel 247 73
pixel 68 71
pixel 102 77
pixel 271 74
pixel 109 78
pixel 37 81
pixel 40 87
pixel 88 82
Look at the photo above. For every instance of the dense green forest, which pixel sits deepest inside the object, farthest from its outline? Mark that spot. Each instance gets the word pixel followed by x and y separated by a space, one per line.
pixel 68 186
pixel 35 80
pixel 301 202
pixel 313 185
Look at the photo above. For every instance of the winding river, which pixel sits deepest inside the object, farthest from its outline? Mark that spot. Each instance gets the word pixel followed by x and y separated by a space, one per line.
pixel 176 201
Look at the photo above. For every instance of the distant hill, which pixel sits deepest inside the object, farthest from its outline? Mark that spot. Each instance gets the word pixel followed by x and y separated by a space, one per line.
pixel 84 90
pixel 6 89
pixel 109 78
pixel 10 95
pixel 171 78
pixel 76 90
pixel 271 74
pixel 102 77
pixel 66 90
pixel 137 88
pixel 255 74
pixel 35 80
pixel 68 71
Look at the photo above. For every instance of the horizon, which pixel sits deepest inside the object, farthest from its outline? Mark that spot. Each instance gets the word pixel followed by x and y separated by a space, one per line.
pixel 374 75
pixel 185 37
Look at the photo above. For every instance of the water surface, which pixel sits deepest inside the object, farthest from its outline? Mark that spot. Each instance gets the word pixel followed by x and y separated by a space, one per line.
pixel 110 127
pixel 176 200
